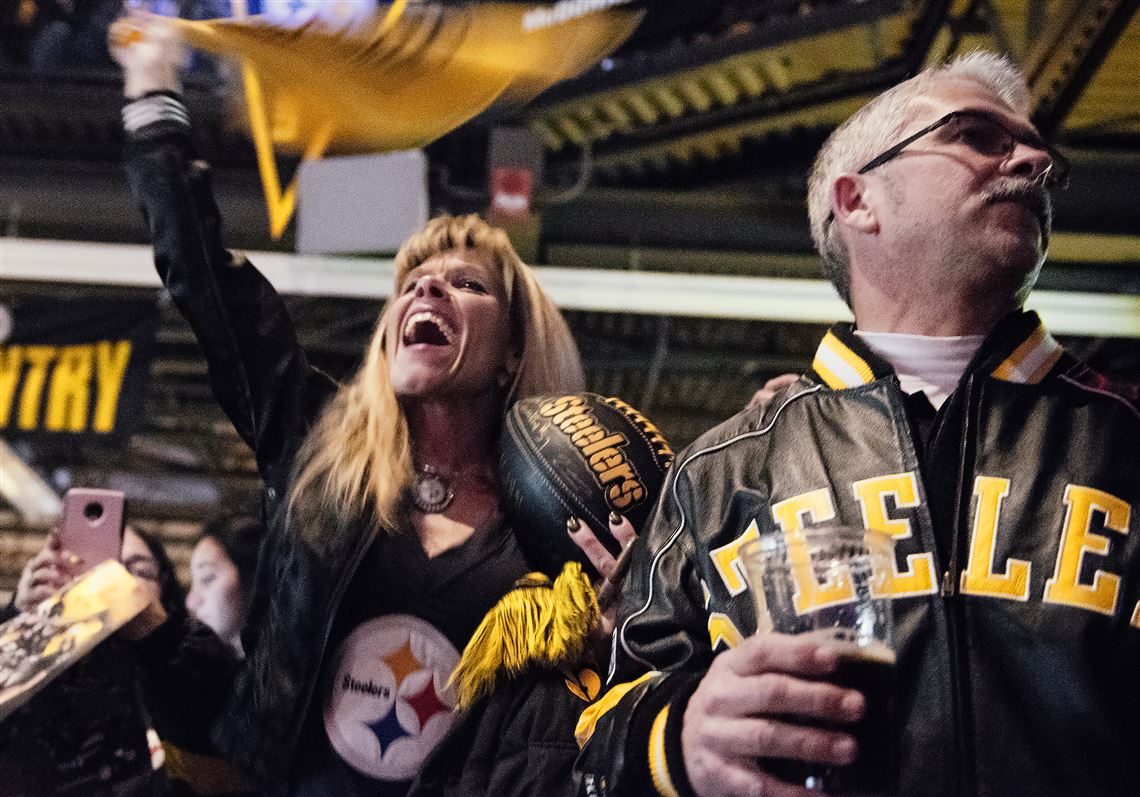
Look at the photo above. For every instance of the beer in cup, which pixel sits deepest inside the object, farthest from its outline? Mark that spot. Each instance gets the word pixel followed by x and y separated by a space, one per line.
pixel 833 583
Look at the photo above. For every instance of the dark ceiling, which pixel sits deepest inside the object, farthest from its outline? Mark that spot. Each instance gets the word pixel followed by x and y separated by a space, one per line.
pixel 685 151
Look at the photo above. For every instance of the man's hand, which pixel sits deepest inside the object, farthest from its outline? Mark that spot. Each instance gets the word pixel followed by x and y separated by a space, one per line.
pixel 45 574
pixel 763 699
pixel 770 389
pixel 150 51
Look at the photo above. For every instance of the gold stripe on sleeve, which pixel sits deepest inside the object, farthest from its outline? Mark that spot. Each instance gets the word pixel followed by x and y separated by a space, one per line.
pixel 589 719
pixel 658 766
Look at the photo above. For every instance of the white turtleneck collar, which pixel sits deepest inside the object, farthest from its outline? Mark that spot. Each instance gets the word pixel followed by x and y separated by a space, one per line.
pixel 926 364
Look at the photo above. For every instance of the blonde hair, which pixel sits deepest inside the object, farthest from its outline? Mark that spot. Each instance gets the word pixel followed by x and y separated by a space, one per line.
pixel 358 455
pixel 876 126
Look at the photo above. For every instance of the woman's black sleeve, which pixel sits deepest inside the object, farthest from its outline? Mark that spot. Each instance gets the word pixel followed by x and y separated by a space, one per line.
pixel 258 371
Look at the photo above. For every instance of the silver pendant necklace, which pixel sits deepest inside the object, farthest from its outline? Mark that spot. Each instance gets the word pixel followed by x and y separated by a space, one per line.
pixel 433 492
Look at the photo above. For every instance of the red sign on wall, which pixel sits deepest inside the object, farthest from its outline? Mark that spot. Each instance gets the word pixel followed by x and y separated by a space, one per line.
pixel 511 189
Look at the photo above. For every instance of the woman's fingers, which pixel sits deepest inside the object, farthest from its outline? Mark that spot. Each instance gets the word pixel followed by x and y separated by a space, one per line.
pixel 584 537
pixel 598 555
pixel 45 555
pixel 34 597
pixel 611 568
pixel 622 530
pixel 624 533
pixel 46 572
pixel 50 576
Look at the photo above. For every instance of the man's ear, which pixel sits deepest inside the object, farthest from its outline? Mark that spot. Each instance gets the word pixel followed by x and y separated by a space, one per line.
pixel 850 205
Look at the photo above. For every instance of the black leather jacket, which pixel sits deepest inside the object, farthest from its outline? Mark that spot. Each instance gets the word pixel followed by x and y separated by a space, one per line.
pixel 260 375
pixel 516 742
pixel 1016 513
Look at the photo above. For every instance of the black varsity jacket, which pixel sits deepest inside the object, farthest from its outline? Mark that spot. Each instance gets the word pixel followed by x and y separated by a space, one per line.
pixel 1017 593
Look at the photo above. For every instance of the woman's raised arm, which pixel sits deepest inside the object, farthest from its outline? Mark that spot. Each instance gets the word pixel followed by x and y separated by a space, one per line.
pixel 258 370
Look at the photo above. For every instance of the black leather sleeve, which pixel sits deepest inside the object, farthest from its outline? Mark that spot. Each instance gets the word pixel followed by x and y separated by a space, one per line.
pixel 258 370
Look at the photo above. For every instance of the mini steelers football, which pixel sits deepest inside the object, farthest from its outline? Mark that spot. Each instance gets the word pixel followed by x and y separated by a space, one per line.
pixel 580 455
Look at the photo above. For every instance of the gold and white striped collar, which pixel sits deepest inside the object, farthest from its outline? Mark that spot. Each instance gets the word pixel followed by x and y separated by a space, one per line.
pixel 842 362
pixel 1032 360
pixel 1019 350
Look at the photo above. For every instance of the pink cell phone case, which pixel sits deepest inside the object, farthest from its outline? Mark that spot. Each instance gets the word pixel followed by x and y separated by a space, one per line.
pixel 92 525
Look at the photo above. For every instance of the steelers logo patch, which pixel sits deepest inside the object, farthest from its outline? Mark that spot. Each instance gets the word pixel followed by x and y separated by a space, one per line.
pixel 388 705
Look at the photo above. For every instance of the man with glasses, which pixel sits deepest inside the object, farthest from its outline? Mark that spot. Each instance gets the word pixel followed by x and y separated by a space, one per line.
pixel 1007 472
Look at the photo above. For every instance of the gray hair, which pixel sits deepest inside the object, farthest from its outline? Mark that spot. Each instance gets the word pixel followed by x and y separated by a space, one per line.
pixel 878 125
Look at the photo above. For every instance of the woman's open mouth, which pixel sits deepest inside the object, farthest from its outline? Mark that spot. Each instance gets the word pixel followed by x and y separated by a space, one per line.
pixel 427 328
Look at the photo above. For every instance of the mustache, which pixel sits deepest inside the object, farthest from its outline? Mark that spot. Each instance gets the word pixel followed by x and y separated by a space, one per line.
pixel 1030 193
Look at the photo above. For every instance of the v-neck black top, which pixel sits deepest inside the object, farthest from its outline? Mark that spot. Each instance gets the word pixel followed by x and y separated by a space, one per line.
pixel 451 590
pixel 396 588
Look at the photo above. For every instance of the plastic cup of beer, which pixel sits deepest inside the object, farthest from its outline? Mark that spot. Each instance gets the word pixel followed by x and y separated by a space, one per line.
pixel 833 582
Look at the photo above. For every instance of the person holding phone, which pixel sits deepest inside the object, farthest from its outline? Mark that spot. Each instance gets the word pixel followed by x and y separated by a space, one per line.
pixel 89 729
pixel 142 555
pixel 385 543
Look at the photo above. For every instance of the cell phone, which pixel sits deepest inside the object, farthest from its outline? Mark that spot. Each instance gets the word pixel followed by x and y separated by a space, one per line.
pixel 92 524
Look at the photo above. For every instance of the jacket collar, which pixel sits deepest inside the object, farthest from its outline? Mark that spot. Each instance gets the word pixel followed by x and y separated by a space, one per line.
pixel 1019 349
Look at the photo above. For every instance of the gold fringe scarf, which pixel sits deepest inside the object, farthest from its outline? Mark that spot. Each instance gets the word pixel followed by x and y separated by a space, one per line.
pixel 538 624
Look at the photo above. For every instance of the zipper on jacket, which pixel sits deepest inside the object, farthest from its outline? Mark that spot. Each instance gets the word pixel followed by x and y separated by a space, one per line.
pixel 948 585
pixel 946 556
pixel 963 730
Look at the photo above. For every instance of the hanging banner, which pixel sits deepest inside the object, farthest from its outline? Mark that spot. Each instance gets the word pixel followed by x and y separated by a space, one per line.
pixel 74 367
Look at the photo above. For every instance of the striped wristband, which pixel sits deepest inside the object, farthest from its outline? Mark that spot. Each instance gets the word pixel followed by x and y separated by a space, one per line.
pixel 154 108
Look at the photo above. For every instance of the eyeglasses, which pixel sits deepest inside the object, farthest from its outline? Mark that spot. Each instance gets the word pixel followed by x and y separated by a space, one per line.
pixel 987 135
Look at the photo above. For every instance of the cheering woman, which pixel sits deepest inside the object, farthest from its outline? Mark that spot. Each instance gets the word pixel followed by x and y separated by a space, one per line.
pixel 385 544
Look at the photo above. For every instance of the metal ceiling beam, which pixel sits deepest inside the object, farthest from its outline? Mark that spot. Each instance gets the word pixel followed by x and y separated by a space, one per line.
pixel 1066 57
pixel 720 133
pixel 822 94
pixel 628 69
